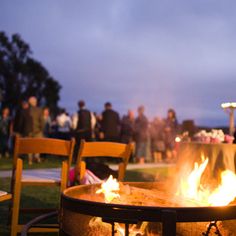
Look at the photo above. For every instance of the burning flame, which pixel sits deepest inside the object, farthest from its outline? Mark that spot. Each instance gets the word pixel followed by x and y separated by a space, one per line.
pixel 226 192
pixel 192 188
pixel 109 188
pixel 133 230
pixel 120 230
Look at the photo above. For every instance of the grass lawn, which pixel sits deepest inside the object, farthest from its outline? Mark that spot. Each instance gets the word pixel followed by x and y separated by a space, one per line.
pixel 45 197
pixel 48 197
pixel 47 162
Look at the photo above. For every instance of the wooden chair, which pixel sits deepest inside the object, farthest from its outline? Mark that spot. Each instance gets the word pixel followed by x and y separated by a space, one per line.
pixel 40 146
pixel 5 196
pixel 102 149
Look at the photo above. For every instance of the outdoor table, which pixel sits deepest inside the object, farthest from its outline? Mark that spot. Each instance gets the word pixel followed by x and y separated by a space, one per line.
pixel 221 156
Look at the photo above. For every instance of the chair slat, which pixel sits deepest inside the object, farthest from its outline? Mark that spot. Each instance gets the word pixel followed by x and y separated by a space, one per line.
pixel 98 149
pixel 44 146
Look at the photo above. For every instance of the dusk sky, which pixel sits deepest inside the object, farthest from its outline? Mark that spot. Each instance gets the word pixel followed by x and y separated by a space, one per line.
pixel 177 54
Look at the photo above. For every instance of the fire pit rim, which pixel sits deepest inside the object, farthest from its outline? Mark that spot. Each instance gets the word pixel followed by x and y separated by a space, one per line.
pixel 144 213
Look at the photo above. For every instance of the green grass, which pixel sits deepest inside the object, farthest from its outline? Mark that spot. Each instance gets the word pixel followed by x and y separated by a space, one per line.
pixel 47 162
pixel 48 197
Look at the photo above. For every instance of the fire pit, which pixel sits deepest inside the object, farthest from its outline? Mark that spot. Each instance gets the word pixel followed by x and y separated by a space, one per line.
pixel 80 205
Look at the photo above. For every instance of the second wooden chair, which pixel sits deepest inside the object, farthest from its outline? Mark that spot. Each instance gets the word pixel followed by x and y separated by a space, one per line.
pixel 103 149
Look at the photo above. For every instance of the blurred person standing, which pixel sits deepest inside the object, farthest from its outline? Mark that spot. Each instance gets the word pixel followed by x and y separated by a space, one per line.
pixel 157 139
pixel 36 124
pixel 64 125
pixel 5 132
pixel 83 130
pixel 170 132
pixel 22 121
pixel 141 135
pixel 64 122
pixel 47 122
pixel 110 123
pixel 84 123
pixel 19 119
pixel 127 128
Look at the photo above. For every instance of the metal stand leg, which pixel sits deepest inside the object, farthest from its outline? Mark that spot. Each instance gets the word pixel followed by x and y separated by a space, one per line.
pixel 126 229
pixel 169 223
pixel 113 228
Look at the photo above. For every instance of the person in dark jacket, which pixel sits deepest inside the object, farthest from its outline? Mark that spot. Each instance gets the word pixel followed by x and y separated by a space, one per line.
pixel 157 139
pixel 110 123
pixel 5 132
pixel 170 129
pixel 127 128
pixel 141 135
pixel 20 126
pixel 84 127
pixel 47 128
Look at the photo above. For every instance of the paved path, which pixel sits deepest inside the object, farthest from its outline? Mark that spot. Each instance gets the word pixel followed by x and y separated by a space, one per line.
pixel 54 173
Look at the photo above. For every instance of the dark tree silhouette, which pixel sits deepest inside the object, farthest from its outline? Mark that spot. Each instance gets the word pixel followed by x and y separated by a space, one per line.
pixel 22 76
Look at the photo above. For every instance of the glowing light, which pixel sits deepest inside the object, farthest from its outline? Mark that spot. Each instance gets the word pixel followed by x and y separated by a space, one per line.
pixel 109 188
pixel 228 105
pixel 177 139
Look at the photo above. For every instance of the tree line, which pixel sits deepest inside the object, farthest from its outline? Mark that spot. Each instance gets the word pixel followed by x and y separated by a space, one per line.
pixel 22 76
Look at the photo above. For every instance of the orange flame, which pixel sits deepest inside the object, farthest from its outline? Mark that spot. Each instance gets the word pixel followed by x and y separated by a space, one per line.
pixel 192 188
pixel 109 188
pixel 226 192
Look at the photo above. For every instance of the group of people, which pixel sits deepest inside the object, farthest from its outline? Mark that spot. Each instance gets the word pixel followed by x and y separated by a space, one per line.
pixel 30 120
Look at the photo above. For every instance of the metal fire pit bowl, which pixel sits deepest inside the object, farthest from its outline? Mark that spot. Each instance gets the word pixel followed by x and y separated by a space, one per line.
pixel 72 207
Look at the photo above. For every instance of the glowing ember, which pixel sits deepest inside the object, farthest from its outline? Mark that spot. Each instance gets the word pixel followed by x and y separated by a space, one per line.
pixel 192 188
pixel 109 188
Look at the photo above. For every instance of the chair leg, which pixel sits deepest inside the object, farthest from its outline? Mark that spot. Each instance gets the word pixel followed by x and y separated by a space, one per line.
pixel 64 176
pixel 121 172
pixel 16 199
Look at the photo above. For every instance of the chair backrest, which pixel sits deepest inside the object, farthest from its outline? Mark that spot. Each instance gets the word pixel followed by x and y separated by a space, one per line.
pixel 103 149
pixel 43 146
pixel 58 147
